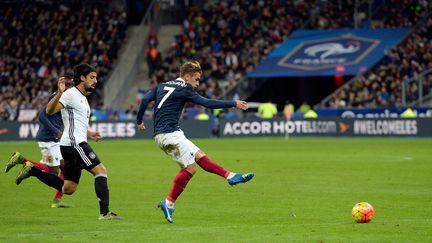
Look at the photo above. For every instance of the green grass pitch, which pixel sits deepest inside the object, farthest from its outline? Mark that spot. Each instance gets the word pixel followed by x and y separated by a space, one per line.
pixel 303 191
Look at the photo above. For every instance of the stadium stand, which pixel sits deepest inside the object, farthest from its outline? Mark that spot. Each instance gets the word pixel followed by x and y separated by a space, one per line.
pixel 382 86
pixel 228 37
pixel 403 14
pixel 385 14
pixel 32 58
pixel 231 47
pixel 231 37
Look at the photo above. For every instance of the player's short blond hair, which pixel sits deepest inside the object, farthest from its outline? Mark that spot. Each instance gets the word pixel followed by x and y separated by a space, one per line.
pixel 190 67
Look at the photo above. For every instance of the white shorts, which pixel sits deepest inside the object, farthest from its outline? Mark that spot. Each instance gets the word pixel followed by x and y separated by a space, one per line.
pixel 176 145
pixel 51 154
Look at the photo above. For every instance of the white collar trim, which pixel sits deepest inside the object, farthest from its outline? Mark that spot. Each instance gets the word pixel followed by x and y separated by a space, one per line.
pixel 179 78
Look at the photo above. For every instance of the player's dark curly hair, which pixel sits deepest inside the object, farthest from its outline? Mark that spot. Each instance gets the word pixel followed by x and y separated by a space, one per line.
pixel 82 69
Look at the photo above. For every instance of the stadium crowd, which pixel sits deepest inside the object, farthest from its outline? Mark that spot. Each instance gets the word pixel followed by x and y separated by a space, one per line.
pixel 228 37
pixel 382 86
pixel 406 13
pixel 39 42
pixel 228 47
pixel 385 14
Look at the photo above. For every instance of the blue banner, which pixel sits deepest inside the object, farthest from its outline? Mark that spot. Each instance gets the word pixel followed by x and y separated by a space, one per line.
pixel 329 52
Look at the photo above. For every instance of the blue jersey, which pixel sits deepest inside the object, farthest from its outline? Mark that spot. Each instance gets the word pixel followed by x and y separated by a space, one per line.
pixel 50 126
pixel 170 99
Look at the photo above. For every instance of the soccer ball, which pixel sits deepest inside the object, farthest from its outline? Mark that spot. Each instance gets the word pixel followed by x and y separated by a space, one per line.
pixel 362 212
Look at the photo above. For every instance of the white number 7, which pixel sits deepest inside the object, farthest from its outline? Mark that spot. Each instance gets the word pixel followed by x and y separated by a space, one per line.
pixel 170 90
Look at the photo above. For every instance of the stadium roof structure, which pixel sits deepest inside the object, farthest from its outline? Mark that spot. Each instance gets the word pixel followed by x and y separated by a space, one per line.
pixel 329 52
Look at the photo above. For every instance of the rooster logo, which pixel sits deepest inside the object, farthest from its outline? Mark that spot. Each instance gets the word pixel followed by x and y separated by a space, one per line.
pixel 331 49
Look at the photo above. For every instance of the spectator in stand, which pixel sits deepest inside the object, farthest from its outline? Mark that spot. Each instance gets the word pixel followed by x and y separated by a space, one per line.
pixel 153 57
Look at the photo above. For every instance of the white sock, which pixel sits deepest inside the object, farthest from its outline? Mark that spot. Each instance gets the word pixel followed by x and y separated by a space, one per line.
pixel 231 175
pixel 169 203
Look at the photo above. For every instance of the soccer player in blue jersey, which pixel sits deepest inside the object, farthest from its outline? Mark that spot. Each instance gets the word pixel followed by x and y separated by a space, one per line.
pixel 48 136
pixel 170 98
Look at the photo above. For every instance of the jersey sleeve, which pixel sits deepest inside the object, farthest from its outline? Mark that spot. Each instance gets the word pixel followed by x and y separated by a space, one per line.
pixel 43 118
pixel 66 99
pixel 194 97
pixel 148 97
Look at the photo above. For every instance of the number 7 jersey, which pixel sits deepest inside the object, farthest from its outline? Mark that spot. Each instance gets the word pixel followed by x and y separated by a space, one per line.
pixel 170 98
